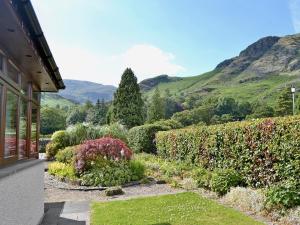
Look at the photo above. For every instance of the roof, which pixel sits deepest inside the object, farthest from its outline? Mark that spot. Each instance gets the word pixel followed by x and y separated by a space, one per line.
pixel 26 14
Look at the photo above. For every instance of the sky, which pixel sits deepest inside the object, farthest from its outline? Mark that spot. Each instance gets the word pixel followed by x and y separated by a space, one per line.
pixel 96 40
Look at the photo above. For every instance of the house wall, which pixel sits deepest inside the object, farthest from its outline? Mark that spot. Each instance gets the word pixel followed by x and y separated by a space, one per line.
pixel 22 193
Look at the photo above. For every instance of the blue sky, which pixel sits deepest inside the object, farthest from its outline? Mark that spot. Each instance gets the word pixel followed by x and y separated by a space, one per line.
pixel 96 40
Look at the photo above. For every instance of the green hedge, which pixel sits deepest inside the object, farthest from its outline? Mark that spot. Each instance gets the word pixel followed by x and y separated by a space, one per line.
pixel 142 138
pixel 263 151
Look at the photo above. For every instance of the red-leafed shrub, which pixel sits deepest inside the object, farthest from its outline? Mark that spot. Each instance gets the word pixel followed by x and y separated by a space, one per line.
pixel 107 147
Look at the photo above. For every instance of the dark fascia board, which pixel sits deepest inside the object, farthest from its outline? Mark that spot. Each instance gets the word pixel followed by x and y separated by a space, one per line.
pixel 26 13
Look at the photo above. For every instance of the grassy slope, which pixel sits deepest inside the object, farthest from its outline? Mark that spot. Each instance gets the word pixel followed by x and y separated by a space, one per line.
pixel 179 209
pixel 266 89
pixel 52 100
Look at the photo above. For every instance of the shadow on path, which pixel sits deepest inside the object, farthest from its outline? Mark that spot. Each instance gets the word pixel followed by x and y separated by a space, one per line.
pixel 62 213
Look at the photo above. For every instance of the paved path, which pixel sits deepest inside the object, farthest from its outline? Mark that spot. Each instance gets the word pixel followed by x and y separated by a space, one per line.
pixel 68 207
pixel 67 213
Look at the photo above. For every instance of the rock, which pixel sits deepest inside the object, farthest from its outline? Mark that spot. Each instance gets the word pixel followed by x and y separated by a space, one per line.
pixel 113 191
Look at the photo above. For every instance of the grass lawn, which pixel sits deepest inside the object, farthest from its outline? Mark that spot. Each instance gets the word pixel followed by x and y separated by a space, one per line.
pixel 179 209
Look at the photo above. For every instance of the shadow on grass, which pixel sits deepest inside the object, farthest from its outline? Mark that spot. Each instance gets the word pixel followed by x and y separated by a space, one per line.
pixel 52 215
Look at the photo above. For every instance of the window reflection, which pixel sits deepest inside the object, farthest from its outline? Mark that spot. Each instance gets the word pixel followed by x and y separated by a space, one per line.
pixel 1 62
pixel 12 73
pixel 34 117
pixel 11 125
pixel 23 129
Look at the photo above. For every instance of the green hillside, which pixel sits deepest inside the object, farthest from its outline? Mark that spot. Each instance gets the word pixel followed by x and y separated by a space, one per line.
pixel 53 100
pixel 257 74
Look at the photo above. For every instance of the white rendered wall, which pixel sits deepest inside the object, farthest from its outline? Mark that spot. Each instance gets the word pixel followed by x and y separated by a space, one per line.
pixel 22 196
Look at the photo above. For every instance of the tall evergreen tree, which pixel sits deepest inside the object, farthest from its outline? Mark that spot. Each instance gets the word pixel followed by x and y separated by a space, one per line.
pixel 128 104
pixel 156 109
pixel 97 114
pixel 285 103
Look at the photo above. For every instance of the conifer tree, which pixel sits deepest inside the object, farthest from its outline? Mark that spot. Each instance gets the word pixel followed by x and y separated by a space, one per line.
pixel 97 114
pixel 156 109
pixel 285 103
pixel 128 104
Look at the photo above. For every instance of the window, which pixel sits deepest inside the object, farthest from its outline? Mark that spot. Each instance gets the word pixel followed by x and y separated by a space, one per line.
pixel 10 147
pixel 36 96
pixel 34 130
pixel 1 62
pixel 24 85
pixel 12 72
pixel 23 129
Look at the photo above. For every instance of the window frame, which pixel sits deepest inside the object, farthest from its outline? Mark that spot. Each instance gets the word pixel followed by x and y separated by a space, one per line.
pixel 16 88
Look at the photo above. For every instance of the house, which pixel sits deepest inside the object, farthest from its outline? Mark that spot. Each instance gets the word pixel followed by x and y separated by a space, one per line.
pixel 27 68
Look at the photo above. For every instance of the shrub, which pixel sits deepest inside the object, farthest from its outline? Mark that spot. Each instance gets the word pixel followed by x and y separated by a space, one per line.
pixel 107 173
pixel 51 150
pixel 109 148
pixel 283 195
pixel 202 177
pixel 59 140
pixel 222 180
pixel 263 151
pixel 246 199
pixel 137 169
pixel 171 123
pixel 114 130
pixel 77 134
pixel 142 138
pixel 62 170
pixel 66 155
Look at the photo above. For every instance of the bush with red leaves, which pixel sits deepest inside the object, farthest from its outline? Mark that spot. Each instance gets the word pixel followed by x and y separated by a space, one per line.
pixel 107 147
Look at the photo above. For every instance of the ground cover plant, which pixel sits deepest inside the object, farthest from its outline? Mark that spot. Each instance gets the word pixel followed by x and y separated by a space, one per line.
pixel 184 208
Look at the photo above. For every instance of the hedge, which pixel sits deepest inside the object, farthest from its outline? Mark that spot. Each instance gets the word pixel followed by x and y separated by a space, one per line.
pixel 142 138
pixel 263 151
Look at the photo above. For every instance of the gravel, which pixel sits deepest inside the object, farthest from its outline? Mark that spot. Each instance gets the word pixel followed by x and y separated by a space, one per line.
pixel 57 191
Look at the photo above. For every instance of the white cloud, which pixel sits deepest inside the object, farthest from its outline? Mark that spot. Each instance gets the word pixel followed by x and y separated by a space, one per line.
pixel 295 13
pixel 82 64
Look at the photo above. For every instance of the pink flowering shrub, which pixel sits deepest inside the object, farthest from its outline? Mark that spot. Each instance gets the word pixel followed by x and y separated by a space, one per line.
pixel 107 148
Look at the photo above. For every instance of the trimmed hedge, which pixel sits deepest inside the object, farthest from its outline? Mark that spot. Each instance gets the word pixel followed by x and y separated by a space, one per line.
pixel 142 138
pixel 263 151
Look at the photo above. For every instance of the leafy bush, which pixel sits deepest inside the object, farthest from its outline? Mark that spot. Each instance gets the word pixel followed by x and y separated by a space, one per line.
pixel 107 173
pixel 59 140
pixel 66 155
pixel 202 177
pixel 171 124
pixel 246 199
pixel 62 170
pixel 222 180
pixel 51 150
pixel 114 130
pixel 109 148
pixel 263 151
pixel 137 169
pixel 142 138
pixel 283 195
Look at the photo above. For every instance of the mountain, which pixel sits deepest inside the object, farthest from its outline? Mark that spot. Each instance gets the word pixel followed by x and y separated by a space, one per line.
pixel 82 91
pixel 258 73
pixel 148 84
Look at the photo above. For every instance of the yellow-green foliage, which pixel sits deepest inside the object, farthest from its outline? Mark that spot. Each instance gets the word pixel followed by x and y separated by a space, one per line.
pixel 62 170
pixel 263 151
